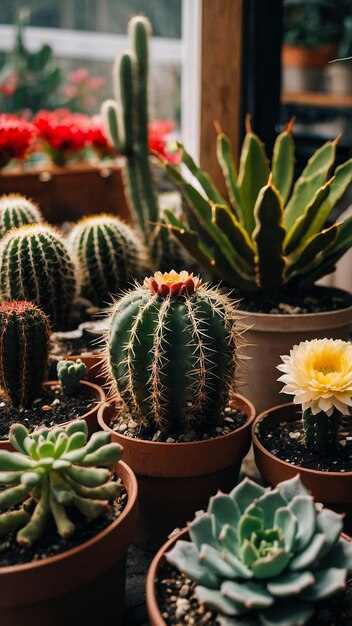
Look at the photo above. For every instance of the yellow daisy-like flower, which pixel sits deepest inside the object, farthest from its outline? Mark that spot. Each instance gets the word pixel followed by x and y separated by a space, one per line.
pixel 318 373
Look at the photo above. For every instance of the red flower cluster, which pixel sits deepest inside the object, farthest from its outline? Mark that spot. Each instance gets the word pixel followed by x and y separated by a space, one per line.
pixel 157 144
pixel 16 136
pixel 63 131
pixel 97 136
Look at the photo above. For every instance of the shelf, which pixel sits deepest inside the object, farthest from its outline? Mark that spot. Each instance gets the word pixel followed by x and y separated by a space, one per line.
pixel 317 99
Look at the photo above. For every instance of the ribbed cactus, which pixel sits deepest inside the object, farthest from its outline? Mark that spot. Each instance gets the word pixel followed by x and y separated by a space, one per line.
pixel 35 265
pixel 171 351
pixel 16 210
pixel 264 556
pixel 51 472
pixel 266 238
pixel 109 255
pixel 70 374
pixel 24 351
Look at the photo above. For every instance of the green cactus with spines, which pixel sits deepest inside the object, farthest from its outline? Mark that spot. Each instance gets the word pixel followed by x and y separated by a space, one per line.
pixel 70 374
pixel 126 122
pixel 171 351
pixel 320 430
pixel 17 210
pixel 264 556
pixel 35 265
pixel 108 253
pixel 24 351
pixel 51 472
pixel 269 237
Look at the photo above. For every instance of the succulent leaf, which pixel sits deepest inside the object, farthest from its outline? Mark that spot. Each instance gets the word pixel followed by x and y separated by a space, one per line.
pixel 327 583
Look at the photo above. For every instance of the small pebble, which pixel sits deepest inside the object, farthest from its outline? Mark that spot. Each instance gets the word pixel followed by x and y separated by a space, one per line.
pixel 184 591
pixel 46 407
pixel 170 440
pixel 294 435
pixel 122 427
pixel 55 401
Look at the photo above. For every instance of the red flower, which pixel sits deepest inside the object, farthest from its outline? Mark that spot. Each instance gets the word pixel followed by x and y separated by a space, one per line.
pixel 16 136
pixel 158 144
pixel 64 132
pixel 98 138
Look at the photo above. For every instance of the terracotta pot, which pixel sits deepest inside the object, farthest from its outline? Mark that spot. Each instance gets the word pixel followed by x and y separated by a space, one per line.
pixel 94 364
pixel 89 389
pixel 155 617
pixel 304 68
pixel 69 193
pixel 298 56
pixel 177 479
pixel 271 335
pixel 84 585
pixel 334 489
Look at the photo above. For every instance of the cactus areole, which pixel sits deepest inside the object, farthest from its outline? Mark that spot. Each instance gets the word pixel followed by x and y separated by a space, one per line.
pixel 171 351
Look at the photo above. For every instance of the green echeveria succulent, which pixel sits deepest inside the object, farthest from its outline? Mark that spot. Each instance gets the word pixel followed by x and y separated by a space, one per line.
pixel 51 472
pixel 263 556
pixel 70 374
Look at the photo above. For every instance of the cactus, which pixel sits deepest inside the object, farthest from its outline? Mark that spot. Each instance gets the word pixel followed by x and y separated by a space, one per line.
pixel 171 351
pixel 16 210
pixel 70 374
pixel 51 472
pixel 108 254
pixel 266 239
pixel 264 556
pixel 35 265
pixel 24 351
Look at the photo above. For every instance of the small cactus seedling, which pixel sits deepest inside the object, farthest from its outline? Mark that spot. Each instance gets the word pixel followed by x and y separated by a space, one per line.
pixel 108 254
pixel 51 472
pixel 15 211
pixel 35 265
pixel 24 349
pixel 264 556
pixel 172 349
pixel 70 373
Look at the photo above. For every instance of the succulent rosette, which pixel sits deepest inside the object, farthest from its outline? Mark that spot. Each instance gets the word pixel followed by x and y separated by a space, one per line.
pixel 263 556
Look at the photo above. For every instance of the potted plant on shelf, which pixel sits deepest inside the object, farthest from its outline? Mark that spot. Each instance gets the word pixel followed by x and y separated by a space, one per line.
pixel 66 522
pixel 270 243
pixel 316 438
pixel 171 352
pixel 24 349
pixel 256 557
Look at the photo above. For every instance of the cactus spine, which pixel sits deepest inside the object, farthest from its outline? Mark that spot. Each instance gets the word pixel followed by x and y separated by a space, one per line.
pixel 108 254
pixel 15 211
pixel 24 349
pixel 35 265
pixel 171 351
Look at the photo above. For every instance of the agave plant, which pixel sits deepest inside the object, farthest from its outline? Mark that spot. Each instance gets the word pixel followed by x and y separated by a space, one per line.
pixel 268 236
pixel 267 555
pixel 51 472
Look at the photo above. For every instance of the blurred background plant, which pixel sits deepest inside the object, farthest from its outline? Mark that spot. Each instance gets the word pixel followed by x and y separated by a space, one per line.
pixel 317 22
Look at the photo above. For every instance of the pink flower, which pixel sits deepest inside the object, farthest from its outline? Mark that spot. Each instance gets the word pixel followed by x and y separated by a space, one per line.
pixel 78 76
pixel 9 83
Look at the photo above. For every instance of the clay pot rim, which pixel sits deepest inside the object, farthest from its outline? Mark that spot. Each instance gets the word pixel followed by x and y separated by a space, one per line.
pixel 263 450
pixel 131 502
pixel 249 421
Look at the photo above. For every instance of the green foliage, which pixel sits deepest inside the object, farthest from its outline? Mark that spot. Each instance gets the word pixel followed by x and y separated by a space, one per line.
pixel 70 374
pixel 24 351
pixel 265 556
pixel 35 265
pixel 269 236
pixel 314 22
pixel 15 211
pixel 109 255
pixel 172 355
pixel 51 472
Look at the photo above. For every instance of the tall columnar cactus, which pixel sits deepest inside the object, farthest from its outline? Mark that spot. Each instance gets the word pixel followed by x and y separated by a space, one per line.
pixel 70 374
pixel 35 265
pixel 16 210
pixel 24 351
pixel 268 237
pixel 51 472
pixel 265 557
pixel 109 255
pixel 172 349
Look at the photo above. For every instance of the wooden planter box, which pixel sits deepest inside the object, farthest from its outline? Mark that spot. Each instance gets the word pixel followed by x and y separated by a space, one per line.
pixel 68 193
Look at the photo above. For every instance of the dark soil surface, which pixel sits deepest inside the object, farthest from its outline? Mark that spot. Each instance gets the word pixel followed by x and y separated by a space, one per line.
pixel 51 544
pixel 179 606
pixel 232 419
pixel 286 442
pixel 50 409
pixel 316 300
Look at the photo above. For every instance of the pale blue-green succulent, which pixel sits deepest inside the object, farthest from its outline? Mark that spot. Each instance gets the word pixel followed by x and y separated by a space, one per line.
pixel 51 472
pixel 70 374
pixel 263 556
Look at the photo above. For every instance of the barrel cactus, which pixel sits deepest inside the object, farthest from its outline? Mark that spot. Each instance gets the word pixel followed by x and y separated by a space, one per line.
pixel 70 374
pixel 24 351
pixel 268 238
pixel 35 265
pixel 171 351
pixel 264 556
pixel 16 210
pixel 109 255
pixel 51 472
